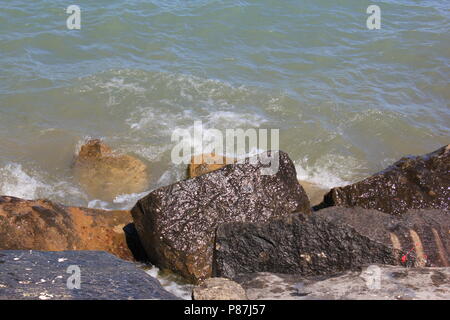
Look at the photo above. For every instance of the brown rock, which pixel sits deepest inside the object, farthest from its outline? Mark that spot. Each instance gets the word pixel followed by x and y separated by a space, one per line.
pixel 204 163
pixel 47 226
pixel 314 191
pixel 104 174
pixel 420 182
pixel 219 289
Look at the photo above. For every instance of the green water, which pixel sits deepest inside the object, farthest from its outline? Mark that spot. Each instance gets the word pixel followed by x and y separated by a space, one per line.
pixel 348 101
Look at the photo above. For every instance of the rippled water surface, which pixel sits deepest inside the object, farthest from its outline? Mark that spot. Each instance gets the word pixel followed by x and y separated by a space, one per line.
pixel 348 101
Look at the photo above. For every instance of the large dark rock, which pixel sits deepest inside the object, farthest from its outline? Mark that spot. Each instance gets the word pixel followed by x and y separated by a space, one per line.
pixel 49 226
pixel 176 224
pixel 43 275
pixel 332 240
pixel 425 234
pixel 374 282
pixel 421 182
pixel 300 244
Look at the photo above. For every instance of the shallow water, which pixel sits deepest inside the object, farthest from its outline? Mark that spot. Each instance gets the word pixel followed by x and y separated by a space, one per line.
pixel 348 101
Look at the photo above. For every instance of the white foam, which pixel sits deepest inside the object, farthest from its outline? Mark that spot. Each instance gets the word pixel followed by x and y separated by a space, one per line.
pixel 328 171
pixel 98 204
pixel 14 181
pixel 171 285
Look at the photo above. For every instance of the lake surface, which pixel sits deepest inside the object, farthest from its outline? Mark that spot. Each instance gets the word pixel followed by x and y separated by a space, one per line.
pixel 348 101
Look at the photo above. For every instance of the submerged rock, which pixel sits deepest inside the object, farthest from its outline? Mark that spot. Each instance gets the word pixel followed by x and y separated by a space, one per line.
pixel 204 163
pixel 314 191
pixel 176 224
pixel 44 225
pixel 374 282
pixel 421 182
pixel 103 174
pixel 298 244
pixel 218 289
pixel 42 275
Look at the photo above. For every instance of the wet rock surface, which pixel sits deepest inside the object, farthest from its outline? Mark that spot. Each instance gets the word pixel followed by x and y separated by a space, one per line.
pixel 422 235
pixel 219 289
pixel 105 174
pixel 298 244
pixel 374 282
pixel 420 182
pixel 41 275
pixel 44 225
pixel 177 223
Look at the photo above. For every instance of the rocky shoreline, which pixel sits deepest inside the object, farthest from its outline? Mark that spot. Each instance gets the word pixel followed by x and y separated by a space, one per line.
pixel 229 228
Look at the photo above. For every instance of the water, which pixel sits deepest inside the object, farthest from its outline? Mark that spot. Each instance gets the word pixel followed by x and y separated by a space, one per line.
pixel 348 101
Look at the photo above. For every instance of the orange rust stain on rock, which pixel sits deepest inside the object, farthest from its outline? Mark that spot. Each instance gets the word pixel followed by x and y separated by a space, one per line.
pixel 421 259
pixel 395 241
pixel 441 250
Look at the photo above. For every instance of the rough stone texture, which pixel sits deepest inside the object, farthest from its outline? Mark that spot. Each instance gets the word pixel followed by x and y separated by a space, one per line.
pixel 219 289
pixel 43 275
pixel 44 225
pixel 204 163
pixel 421 182
pixel 425 234
pixel 374 282
pixel 176 224
pixel 303 244
pixel 103 174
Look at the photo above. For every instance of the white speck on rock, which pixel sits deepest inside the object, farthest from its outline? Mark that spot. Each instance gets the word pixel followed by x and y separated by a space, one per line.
pixel 45 296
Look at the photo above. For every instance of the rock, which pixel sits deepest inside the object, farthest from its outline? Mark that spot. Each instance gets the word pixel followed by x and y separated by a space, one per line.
pixel 374 282
pixel 424 234
pixel 204 163
pixel 421 182
pixel 177 223
pixel 38 275
pixel 103 174
pixel 298 244
pixel 219 289
pixel 44 225
pixel 333 240
pixel 314 191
